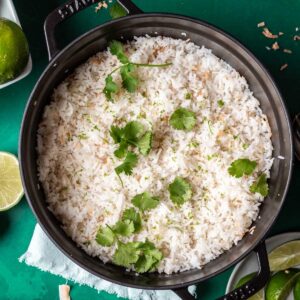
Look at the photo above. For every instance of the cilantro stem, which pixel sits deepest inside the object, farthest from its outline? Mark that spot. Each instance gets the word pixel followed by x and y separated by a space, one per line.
pixel 113 71
pixel 139 65
pixel 120 180
pixel 151 65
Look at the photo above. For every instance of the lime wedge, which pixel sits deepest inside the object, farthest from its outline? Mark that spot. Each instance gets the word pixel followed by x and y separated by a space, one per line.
pixel 11 190
pixel 281 284
pixel 259 295
pixel 297 290
pixel 285 256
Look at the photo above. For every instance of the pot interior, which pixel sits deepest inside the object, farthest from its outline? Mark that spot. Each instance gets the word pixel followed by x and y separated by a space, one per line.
pixel 224 47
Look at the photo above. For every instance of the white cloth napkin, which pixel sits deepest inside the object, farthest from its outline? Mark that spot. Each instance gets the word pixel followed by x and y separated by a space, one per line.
pixel 43 254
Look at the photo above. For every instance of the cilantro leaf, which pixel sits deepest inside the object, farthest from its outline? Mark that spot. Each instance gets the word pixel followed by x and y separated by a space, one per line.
pixel 260 186
pixel 242 166
pixel 149 261
pixel 221 103
pixel 129 163
pixel 144 263
pixel 129 81
pixel 133 131
pixel 145 143
pixel 110 88
pixel 142 255
pixel 117 11
pixel 122 150
pixel 132 134
pixel 105 236
pixel 180 191
pixel 126 254
pixel 116 133
pixel 124 227
pixel 149 258
pixel 116 48
pixel 183 119
pixel 145 201
pixel 132 215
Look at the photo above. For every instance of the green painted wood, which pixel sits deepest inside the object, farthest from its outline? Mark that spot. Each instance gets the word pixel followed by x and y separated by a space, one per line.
pixel 18 281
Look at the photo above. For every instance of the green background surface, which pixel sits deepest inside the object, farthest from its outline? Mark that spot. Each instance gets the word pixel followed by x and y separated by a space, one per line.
pixel 240 18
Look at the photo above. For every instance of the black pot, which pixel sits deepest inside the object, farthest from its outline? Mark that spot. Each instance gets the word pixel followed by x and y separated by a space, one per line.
pixel 224 46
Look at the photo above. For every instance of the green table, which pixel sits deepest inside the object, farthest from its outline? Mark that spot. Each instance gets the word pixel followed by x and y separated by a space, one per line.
pixel 240 18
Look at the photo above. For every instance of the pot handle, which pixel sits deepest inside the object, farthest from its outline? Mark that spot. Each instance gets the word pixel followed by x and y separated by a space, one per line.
pixel 248 289
pixel 66 11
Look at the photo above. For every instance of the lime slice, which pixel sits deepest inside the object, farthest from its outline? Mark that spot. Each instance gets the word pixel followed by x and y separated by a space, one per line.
pixel 285 256
pixel 259 295
pixel 11 190
pixel 297 290
pixel 281 284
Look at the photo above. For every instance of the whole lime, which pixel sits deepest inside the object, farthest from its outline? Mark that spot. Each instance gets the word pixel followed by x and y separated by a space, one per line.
pixel 14 52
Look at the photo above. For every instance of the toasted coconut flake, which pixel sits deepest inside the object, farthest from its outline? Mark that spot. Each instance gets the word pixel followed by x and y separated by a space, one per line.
pixel 280 33
pixel 296 37
pixel 268 34
pixel 64 292
pixel 251 230
pixel 283 67
pixel 100 5
pixel 261 24
pixel 275 46
pixel 287 51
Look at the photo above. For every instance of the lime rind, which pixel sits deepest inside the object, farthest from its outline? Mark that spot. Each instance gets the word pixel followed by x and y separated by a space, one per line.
pixel 285 256
pixel 281 284
pixel 296 291
pixel 11 190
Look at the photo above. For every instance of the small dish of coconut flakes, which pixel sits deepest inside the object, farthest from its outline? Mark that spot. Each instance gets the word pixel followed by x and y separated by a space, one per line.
pixel 155 155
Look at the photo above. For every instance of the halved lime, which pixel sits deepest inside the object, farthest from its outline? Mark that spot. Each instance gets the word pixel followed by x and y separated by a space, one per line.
pixel 285 256
pixel 11 190
pixel 259 295
pixel 281 284
pixel 297 290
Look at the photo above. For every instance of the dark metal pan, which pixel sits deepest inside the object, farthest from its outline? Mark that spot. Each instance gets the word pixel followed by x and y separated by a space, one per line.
pixel 223 45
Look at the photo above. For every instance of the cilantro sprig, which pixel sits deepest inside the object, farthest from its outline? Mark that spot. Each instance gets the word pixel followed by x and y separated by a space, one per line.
pixel 134 135
pixel 180 191
pixel 127 70
pixel 131 222
pixel 242 166
pixel 183 119
pixel 145 201
pixel 143 256
pixel 260 186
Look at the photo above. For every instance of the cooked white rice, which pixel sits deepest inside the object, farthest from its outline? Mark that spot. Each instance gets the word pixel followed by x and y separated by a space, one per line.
pixel 76 153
